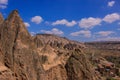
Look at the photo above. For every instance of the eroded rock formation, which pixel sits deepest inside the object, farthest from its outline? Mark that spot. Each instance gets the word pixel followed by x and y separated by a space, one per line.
pixel 40 57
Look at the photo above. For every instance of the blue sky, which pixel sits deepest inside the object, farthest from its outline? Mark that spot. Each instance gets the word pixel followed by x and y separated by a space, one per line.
pixel 81 20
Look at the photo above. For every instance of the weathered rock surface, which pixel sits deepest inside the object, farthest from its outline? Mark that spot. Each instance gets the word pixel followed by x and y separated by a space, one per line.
pixel 5 73
pixel 79 68
pixel 56 73
pixel 18 49
pixel 41 57
pixel 1 18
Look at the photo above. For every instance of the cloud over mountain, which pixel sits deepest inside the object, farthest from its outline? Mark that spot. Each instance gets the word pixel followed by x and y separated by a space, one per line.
pixel 90 22
pixel 53 31
pixel 64 22
pixel 84 33
pixel 3 4
pixel 111 17
pixel 37 19
pixel 111 3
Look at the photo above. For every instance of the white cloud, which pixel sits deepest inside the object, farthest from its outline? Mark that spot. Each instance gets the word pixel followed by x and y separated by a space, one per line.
pixel 32 33
pixel 53 31
pixel 64 22
pixel 37 19
pixel 27 24
pixel 84 33
pixel 90 22
pixel 111 17
pixel 3 1
pixel 109 39
pixel 105 33
pixel 3 4
pixel 111 3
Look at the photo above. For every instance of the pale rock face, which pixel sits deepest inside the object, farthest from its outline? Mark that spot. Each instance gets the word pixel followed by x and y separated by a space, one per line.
pixel 18 49
pixel 5 73
pixel 41 57
pixel 79 68
pixel 1 18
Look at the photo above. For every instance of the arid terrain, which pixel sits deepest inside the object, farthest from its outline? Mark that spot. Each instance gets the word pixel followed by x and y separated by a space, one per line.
pixel 105 56
pixel 49 57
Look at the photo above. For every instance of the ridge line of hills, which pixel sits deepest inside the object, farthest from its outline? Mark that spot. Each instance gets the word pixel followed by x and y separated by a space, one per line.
pixel 43 56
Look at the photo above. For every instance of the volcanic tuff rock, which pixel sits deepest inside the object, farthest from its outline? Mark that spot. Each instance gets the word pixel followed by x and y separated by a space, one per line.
pixel 40 57
pixel 79 68
pixel 105 55
pixel 1 18
pixel 18 49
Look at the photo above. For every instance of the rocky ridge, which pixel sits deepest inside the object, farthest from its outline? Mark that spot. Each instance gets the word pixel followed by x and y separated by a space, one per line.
pixel 40 57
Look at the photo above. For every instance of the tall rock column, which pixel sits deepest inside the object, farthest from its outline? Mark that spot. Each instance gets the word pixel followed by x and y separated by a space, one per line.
pixel 19 50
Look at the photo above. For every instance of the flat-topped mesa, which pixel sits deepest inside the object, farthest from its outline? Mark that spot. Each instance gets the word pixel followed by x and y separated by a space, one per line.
pixel 1 18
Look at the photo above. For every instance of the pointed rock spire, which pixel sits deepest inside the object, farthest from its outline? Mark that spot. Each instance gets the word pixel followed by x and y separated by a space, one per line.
pixel 14 16
pixel 15 22
pixel 1 18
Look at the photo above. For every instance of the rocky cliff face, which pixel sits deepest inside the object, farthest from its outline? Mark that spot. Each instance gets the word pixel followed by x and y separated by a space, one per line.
pixel 79 68
pixel 41 57
pixel 1 18
pixel 18 49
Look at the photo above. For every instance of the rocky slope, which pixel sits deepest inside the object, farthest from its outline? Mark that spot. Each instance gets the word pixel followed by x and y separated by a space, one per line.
pixel 40 57
pixel 105 56
pixel 18 50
